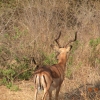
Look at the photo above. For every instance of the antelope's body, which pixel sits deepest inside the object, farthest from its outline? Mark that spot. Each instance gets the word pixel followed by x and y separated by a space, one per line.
pixel 49 78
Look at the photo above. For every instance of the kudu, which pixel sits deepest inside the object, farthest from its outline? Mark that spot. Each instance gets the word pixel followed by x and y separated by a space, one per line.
pixel 48 78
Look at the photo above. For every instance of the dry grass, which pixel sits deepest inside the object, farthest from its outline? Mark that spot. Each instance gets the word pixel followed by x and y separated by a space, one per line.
pixel 28 28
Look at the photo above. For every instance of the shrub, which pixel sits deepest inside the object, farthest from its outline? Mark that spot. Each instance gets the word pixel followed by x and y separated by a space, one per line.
pixel 94 58
pixel 49 59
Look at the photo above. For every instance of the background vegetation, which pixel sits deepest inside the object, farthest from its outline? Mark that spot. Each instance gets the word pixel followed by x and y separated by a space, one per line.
pixel 28 28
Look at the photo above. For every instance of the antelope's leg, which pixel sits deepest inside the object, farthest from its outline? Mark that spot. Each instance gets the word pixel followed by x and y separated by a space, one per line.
pixel 50 95
pixel 45 94
pixel 36 91
pixel 57 92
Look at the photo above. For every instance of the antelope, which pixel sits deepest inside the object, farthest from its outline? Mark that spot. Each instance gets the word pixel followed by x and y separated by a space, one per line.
pixel 49 78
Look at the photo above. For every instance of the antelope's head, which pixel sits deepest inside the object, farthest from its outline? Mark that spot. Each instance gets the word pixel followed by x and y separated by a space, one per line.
pixel 63 50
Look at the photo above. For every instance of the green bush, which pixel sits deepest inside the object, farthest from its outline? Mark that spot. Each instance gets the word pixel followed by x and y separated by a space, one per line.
pixel 21 70
pixel 94 42
pixel 68 73
pixel 71 57
pixel 49 59
pixel 94 58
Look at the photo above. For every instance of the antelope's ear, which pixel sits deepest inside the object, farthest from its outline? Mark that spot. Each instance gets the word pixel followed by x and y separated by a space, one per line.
pixel 68 48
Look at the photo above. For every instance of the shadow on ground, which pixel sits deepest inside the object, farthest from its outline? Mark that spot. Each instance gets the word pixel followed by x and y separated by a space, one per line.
pixel 84 92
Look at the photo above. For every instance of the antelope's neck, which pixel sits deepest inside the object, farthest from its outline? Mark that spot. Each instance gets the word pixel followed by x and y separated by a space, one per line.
pixel 62 62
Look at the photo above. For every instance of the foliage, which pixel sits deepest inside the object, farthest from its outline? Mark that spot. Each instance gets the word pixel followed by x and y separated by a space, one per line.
pixel 71 62
pixel 68 73
pixel 49 59
pixel 17 71
pixel 94 42
pixel 94 58
pixel 71 57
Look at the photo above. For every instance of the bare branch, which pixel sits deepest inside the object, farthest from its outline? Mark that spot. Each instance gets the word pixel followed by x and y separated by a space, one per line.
pixel 36 65
pixel 33 60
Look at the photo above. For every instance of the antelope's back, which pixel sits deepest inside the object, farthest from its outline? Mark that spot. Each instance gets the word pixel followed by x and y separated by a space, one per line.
pixel 53 71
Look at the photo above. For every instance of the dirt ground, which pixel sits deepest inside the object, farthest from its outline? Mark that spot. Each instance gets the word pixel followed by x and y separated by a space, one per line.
pixel 26 92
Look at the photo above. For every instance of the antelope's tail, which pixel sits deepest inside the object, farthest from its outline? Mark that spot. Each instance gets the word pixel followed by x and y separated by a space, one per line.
pixel 42 81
